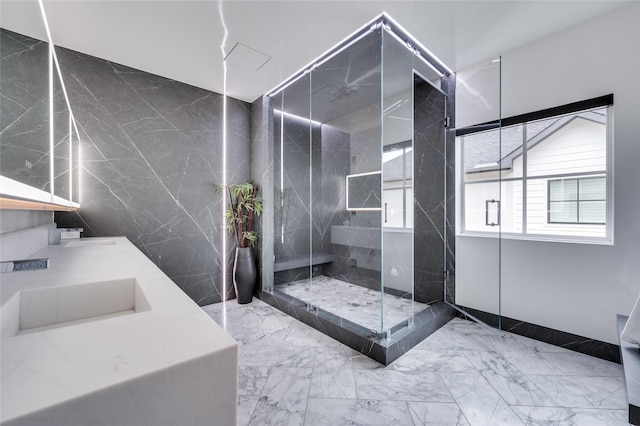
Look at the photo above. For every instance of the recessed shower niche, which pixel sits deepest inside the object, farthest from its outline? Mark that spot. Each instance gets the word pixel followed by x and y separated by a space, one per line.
pixel 355 170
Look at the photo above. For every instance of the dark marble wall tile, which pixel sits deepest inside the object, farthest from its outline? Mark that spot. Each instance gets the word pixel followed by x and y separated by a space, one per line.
pixel 429 176
pixel 152 156
pixel 330 167
pixel 61 164
pixel 311 197
pixel 292 188
pixel 448 86
pixel 24 110
pixel 262 172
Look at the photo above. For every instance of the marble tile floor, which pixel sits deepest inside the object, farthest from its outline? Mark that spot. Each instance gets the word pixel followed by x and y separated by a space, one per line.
pixel 463 374
pixel 352 302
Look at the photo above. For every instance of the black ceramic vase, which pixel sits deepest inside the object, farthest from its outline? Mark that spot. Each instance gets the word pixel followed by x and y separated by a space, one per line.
pixel 245 274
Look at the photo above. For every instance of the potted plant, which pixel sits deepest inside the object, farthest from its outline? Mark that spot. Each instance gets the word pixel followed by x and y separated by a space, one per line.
pixel 244 206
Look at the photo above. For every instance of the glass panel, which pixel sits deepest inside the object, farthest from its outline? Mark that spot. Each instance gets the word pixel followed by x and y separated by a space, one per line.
pixel 346 101
pixel 563 212
pixel 75 166
pixel 61 141
pixel 24 118
pixel 573 145
pixel 593 211
pixel 481 174
pixel 358 153
pixel 479 158
pixel 593 189
pixel 292 196
pixel 576 143
pixel 563 190
pixel 397 171
pixel 511 219
pixel 511 141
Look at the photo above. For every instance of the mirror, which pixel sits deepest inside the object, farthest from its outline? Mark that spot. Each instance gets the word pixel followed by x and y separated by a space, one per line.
pixel 363 191
pixel 38 137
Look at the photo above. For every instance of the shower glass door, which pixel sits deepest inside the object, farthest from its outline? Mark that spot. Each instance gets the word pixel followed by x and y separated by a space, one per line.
pixel 397 183
pixel 345 98
pixel 292 189
pixel 481 204
pixel 345 185
pixel 328 180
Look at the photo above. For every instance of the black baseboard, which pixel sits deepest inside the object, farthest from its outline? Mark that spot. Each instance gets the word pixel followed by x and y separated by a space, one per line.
pixel 585 345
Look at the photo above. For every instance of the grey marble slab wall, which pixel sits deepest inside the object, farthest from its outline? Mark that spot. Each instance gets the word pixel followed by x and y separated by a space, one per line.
pixel 331 164
pixel 262 171
pixel 24 113
pixel 61 141
pixel 292 188
pixel 429 192
pixel 311 197
pixel 152 156
pixel 448 86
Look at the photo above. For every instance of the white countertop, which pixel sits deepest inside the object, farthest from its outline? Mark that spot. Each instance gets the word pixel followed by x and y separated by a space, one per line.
pixel 45 368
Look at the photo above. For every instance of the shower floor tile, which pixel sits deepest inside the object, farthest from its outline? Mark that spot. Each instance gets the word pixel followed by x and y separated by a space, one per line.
pixel 352 302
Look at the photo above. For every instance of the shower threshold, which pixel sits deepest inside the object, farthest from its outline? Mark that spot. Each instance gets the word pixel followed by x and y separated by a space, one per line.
pixel 382 347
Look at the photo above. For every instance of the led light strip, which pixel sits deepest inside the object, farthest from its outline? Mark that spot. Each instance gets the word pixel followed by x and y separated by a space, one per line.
pixel 52 56
pixel 297 117
pixel 51 120
pixel 224 155
pixel 389 25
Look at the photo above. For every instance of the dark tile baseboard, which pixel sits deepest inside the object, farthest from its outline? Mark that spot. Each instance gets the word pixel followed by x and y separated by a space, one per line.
pixel 585 345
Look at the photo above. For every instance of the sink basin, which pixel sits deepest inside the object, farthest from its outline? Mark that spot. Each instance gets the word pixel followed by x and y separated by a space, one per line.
pixel 88 242
pixel 40 309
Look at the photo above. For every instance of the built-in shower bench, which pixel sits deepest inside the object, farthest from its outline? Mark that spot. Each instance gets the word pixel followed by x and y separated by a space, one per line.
pixel 630 357
pixel 293 262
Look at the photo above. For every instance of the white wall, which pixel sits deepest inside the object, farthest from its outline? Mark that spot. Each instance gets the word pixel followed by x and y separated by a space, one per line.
pixel 576 288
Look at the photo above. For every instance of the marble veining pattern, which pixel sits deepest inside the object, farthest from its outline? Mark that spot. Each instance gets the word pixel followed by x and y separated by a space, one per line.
pixel 151 162
pixel 463 374
pixel 354 303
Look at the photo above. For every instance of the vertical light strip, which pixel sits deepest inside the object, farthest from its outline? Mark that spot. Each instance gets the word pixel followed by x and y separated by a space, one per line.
pixel 381 147
pixel 282 173
pixel 500 195
pixel 51 118
pixel 525 173
pixel 224 151
pixel 53 60
pixel 51 56
pixel 79 160
pixel 70 159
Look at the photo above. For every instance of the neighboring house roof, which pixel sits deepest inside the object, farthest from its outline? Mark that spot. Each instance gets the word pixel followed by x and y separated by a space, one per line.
pixel 496 149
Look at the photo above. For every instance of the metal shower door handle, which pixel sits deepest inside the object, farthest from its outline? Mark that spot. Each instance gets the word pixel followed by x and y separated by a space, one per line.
pixel 495 209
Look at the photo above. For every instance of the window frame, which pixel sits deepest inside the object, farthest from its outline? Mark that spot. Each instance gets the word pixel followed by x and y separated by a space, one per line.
pixel 577 201
pixel 564 110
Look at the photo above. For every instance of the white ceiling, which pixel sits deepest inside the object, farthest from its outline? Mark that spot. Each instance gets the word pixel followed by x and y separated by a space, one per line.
pixel 185 40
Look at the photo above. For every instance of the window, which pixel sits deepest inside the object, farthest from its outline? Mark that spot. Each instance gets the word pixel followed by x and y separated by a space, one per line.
pixel 540 176
pixel 578 200
pixel 397 195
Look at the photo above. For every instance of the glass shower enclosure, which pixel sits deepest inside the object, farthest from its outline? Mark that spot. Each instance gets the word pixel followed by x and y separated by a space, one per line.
pixel 359 220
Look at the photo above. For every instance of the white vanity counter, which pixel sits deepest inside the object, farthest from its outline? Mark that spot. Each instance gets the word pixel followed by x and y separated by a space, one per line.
pixel 103 337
